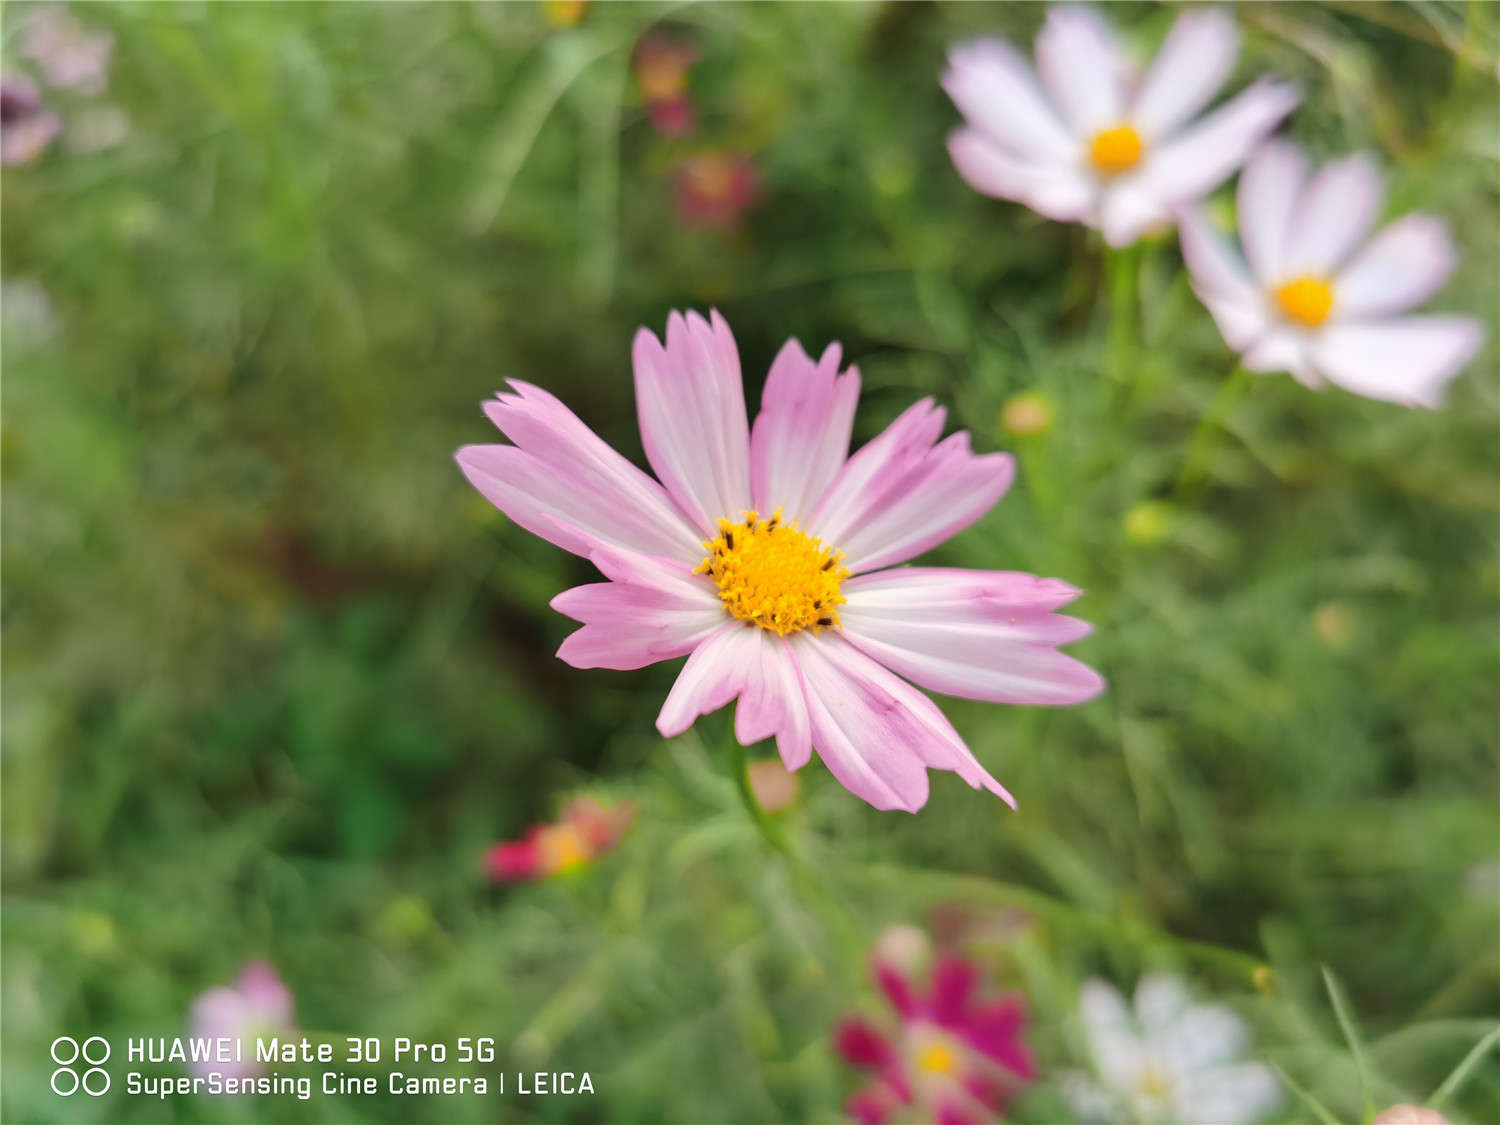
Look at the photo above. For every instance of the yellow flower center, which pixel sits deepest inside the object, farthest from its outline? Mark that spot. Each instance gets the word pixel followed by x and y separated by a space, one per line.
pixel 1116 150
pixel 937 1058
pixel 565 849
pixel 1307 300
pixel 775 576
pixel 1152 1083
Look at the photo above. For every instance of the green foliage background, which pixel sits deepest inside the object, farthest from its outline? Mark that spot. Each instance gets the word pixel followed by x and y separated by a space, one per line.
pixel 275 675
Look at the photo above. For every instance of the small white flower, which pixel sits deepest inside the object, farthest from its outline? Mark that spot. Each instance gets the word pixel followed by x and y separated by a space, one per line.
pixel 1089 142
pixel 1316 299
pixel 1167 1061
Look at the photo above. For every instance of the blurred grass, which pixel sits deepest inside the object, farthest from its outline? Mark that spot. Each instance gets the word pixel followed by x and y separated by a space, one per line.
pixel 275 675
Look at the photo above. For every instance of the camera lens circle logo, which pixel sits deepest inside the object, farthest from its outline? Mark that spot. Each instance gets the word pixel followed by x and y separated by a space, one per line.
pixel 69 1055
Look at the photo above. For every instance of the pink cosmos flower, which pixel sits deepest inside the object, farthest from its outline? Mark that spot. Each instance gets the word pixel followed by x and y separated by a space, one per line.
pixel 585 831
pixel 1090 142
pixel 1320 300
pixel 766 557
pixel 70 55
pixel 256 1005
pixel 27 126
pixel 714 189
pixel 954 1058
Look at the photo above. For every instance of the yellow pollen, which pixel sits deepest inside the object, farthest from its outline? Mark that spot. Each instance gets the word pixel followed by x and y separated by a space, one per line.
pixel 566 849
pixel 937 1058
pixel 1116 150
pixel 772 575
pixel 1152 1083
pixel 1307 300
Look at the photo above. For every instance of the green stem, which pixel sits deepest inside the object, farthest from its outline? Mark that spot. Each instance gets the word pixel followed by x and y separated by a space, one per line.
pixel 1122 265
pixel 1219 409
pixel 738 765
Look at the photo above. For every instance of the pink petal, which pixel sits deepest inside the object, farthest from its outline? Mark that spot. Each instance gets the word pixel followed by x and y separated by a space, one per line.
pixel 1126 212
pixel 897 989
pixel 560 469
pixel 637 510
pixel 995 1032
pixel 652 609
pixel 862 734
pixel 1398 269
pixel 1058 191
pixel 1269 189
pixel 1282 350
pixel 265 995
pixel 692 414
pixel 1408 360
pixel 1335 212
pixel 862 1045
pixel 971 594
pixel 1201 157
pixel 801 437
pixel 953 981
pixel 1082 68
pixel 900 495
pixel 1000 659
pixel 712 676
pixel 1194 61
pixel 931 736
pixel 877 733
pixel 996 90
pixel 628 627
pixel 774 702
pixel 865 477
pixel 1220 279
pixel 874 1104
pixel 514 862
pixel 950 1112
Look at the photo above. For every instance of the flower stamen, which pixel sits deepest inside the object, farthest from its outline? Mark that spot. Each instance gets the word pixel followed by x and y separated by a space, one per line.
pixel 773 575
pixel 1116 150
pixel 1307 300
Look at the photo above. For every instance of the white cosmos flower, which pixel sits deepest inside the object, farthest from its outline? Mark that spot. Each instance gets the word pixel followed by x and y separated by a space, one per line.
pixel 1312 297
pixel 1167 1060
pixel 1090 142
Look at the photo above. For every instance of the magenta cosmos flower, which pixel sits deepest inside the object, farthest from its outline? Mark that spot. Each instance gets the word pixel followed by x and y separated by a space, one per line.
pixel 765 557
pixel 954 1057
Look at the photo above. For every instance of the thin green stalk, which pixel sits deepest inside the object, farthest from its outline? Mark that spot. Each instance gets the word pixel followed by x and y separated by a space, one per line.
pixel 737 763
pixel 1462 1071
pixel 1123 268
pixel 1351 1036
pixel 1230 391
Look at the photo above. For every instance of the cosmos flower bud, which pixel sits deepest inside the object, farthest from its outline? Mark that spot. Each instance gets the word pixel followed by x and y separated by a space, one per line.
pixel 775 787
pixel 1409 1115
pixel 564 13
pixel 1149 522
pixel 1028 414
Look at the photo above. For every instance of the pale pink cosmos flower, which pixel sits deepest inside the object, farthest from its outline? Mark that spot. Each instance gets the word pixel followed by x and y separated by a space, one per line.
pixel 1313 297
pixel 256 1005
pixel 70 55
pixel 1091 143
pixel 769 557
